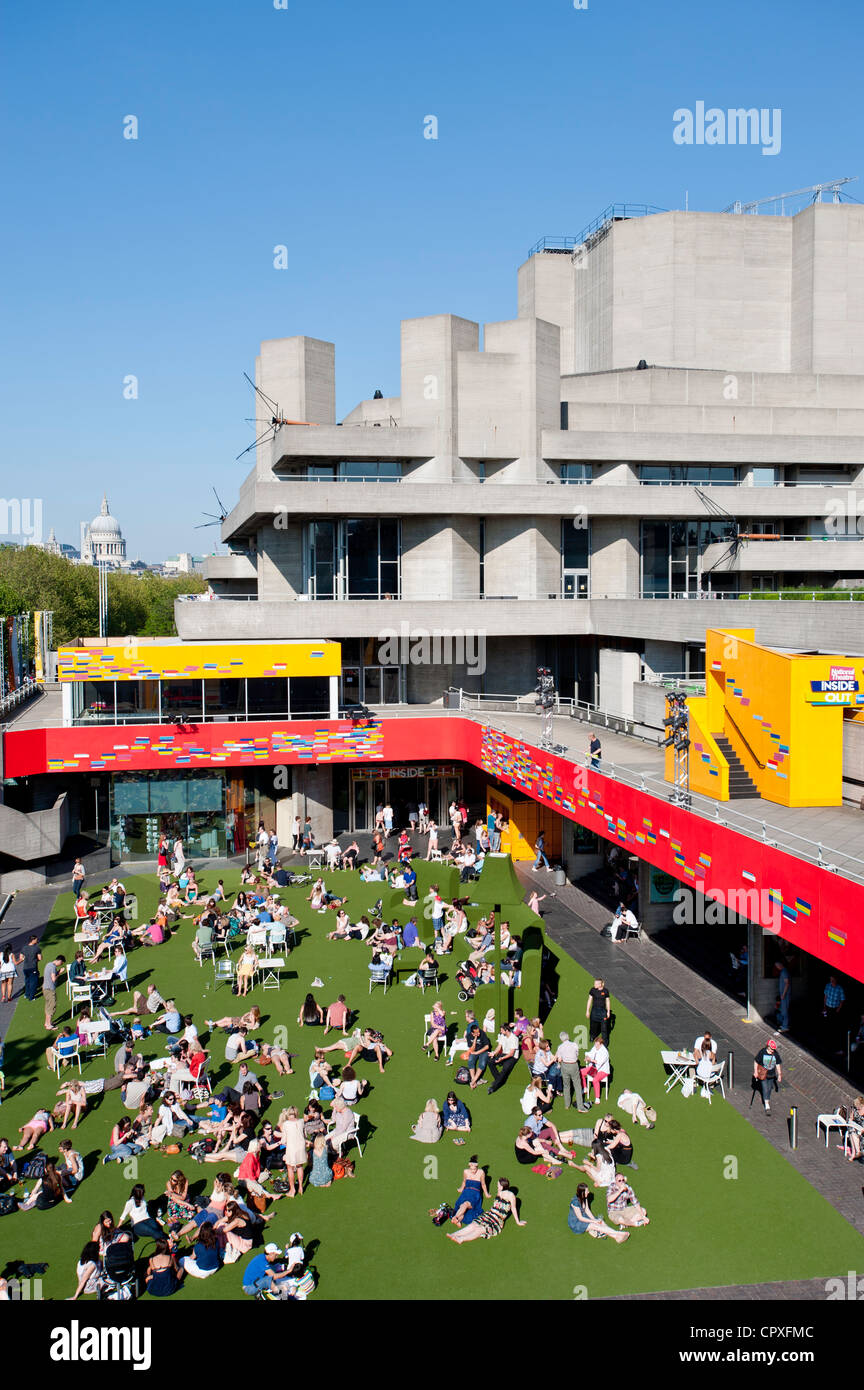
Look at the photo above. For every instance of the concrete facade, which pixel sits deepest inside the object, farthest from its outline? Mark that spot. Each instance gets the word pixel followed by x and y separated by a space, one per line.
pixel 750 417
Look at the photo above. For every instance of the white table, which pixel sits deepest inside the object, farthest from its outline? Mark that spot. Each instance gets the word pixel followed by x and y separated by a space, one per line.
pixel 270 971
pixel 314 857
pixel 679 1064
pixel 88 941
pixel 95 1032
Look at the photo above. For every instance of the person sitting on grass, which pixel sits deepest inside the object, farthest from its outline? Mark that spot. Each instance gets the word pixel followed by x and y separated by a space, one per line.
pixel 74 1097
pixel 163 1277
pixel 582 1222
pixel 542 1128
pixel 279 1057
pixel 342 928
pixel 371 1048
pixel 251 1020
pixel 490 1223
pixel 616 1140
pixel 428 1129
pixel 337 1015
pixel 623 1205
pixel 87 1271
pixel 349 1087
pixel 531 1150
pixel 8 1166
pixel 455 1115
pixel 137 1213
pixel 239 1048
pixel 47 1192
pixel 599 1165
pixel 311 1014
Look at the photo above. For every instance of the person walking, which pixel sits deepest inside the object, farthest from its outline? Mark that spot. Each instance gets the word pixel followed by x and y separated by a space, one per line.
pixel 433 839
pixel 595 750
pixel 540 846
pixel 298 834
pixel 78 877
pixel 598 1010
pixel 567 1058
pixel 767 1072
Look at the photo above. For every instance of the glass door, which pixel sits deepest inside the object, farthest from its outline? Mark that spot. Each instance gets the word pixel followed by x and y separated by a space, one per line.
pixel 434 798
pixel 575 584
pixel 360 805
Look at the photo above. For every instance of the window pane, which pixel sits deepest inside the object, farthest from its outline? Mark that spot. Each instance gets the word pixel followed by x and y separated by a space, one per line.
pixel 268 695
pixel 391 685
pixel 574 544
pixel 362 547
pixel 181 699
pixel 372 685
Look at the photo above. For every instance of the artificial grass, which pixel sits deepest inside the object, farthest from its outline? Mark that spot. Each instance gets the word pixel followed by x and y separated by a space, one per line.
pixel 374 1236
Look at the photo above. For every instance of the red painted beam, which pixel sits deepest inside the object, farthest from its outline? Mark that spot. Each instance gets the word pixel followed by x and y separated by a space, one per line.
pixel 815 910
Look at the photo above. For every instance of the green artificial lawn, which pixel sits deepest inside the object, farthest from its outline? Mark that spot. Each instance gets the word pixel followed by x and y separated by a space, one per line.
pixel 375 1238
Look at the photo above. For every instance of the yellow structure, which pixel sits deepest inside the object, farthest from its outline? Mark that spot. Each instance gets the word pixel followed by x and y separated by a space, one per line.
pixel 138 659
pixel 524 821
pixel 781 714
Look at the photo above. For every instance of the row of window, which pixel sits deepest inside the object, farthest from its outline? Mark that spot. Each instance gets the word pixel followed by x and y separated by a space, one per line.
pixel 653 474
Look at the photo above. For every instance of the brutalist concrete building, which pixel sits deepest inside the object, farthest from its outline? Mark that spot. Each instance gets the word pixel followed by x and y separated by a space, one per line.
pixel 668 436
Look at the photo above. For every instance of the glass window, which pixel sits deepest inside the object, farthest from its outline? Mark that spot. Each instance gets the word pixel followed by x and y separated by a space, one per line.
pixel 131 797
pixel 390 685
pixel 267 695
pixel 715 475
pixel 321 472
pixel 361 544
pixel 372 685
pixel 310 695
pixel 576 472
pixel 371 470
pixel 351 685
pixel 168 796
pixel 224 697
pixel 481 552
pixel 96 701
pixel 565 415
pixel 765 477
pixel 181 700
pixel 575 546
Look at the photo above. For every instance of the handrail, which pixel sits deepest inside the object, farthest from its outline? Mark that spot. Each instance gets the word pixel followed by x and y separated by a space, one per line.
pixel 739 730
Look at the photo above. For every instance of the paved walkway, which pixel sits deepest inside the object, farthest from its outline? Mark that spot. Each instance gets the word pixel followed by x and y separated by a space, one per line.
pixel 677 1004
pixel 27 913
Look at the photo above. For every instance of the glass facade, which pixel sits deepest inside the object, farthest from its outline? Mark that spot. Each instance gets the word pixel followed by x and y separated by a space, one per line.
pixel 672 554
pixel 215 813
pixel 692 473
pixel 353 559
pixel 200 701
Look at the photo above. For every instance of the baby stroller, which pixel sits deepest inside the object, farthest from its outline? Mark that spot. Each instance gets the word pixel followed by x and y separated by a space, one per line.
pixel 467 979
pixel 119 1281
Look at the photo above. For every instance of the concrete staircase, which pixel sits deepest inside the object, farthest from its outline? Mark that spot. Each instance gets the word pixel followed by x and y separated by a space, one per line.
pixel 741 784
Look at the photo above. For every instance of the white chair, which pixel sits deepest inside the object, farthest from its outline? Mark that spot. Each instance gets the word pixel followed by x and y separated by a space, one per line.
pixel 588 1088
pixel 202 1090
pixel 716 1079
pixel 351 1136
pixel 80 994
pixel 207 952
pixel 380 975
pixel 839 1120
pixel 631 931
pixel 70 1057
pixel 223 972
pixel 256 936
pixel 435 857
pixel 269 970
pixel 277 936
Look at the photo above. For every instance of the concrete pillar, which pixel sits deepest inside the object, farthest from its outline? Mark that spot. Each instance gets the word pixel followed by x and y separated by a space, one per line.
pixel 66 697
pixel 619 672
pixel 280 561
pixel 316 788
pixel 440 558
pixel 430 350
pixel 523 556
pixel 615 557
pixel 654 917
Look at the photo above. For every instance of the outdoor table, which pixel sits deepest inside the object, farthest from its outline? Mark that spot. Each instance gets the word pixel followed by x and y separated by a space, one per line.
pixel 679 1064
pixel 270 969
pixel 88 941
pixel 314 857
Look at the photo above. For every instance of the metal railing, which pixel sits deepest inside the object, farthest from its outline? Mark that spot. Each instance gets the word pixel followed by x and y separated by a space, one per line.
pixel 19 696
pixel 802 847
pixel 583 710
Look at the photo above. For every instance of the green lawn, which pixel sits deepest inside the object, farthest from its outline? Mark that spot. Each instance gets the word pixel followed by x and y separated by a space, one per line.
pixel 376 1238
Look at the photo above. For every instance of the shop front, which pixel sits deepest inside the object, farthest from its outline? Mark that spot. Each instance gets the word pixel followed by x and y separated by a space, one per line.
pixel 402 786
pixel 215 814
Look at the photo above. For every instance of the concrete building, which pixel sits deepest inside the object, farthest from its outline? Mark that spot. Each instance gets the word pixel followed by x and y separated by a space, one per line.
pixel 677 413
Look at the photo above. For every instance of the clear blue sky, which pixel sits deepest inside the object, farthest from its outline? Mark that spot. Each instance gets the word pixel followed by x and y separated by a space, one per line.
pixel 304 126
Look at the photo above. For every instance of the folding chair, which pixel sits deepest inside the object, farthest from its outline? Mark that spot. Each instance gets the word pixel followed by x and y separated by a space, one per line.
pixel 80 994
pixel 70 1056
pixel 631 931
pixel 428 977
pixel 716 1079
pixel 351 1136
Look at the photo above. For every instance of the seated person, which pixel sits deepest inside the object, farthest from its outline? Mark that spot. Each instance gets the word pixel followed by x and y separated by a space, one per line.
pixel 623 1205
pixel 371 1048
pixel 598 1165
pixel 543 1129
pixel 410 934
pixel 428 1128
pixel 341 932
pixel 239 1046
pixel 409 877
pixel 855 1120
pixel 454 1114
pixel 436 1031
pixel 349 856
pixel 622 922
pixel 380 965
pixel 337 1015
pixel 311 1014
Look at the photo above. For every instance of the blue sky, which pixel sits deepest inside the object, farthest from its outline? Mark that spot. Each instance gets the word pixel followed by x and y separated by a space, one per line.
pixel 304 127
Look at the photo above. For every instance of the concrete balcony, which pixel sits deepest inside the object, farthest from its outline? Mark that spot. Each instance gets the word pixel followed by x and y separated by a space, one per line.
pixel 670 446
pixel 230 567
pixel 798 624
pixel 352 441
pixel 263 500
pixel 825 555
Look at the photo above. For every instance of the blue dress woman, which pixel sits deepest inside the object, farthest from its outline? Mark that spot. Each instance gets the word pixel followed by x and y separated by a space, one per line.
pixel 469 1202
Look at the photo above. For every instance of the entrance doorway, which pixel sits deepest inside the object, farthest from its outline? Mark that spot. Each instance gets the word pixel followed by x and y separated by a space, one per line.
pixel 403 787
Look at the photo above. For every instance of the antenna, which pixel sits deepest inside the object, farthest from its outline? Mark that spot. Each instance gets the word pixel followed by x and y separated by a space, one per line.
pixel 277 420
pixel 215 520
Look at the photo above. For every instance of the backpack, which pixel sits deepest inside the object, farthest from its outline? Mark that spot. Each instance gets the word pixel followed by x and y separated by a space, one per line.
pixel 327 1093
pixel 34 1167
pixel 8 1204
pixel 463 1076
pixel 441 1214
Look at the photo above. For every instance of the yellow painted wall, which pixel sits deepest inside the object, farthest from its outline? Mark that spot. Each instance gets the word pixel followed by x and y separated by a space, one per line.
pixel 133 661
pixel 525 819
pixel 709 770
pixel 760 700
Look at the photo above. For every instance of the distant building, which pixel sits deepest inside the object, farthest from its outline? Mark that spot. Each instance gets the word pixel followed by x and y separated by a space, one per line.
pixel 102 539
pixel 184 563
pixel 55 547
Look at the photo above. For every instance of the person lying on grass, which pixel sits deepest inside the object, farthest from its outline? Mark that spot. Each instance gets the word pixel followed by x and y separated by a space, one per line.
pixel 490 1223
